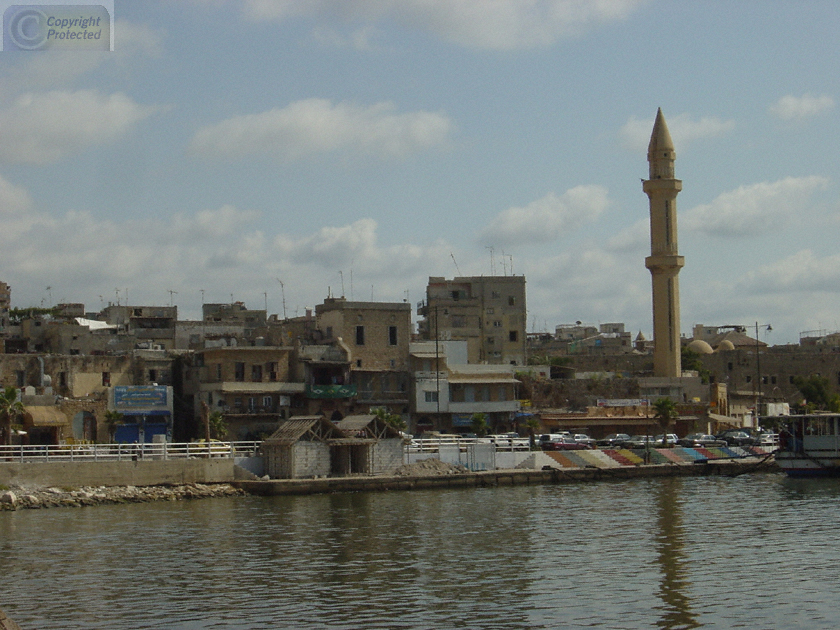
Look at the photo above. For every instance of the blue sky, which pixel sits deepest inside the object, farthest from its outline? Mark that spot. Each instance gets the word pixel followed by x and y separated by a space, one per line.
pixel 360 146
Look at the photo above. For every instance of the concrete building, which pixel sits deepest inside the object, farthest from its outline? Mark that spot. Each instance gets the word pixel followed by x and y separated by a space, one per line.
pixel 5 306
pixel 488 312
pixel 250 386
pixel 447 391
pixel 664 261
pixel 153 326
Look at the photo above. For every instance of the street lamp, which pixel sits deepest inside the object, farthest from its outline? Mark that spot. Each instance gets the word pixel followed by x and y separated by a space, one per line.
pixel 768 328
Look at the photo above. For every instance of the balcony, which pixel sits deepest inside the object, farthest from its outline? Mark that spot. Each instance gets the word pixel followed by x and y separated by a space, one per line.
pixel 330 391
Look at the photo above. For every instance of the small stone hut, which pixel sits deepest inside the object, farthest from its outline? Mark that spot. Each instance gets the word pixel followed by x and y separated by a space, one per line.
pixel 369 446
pixel 300 448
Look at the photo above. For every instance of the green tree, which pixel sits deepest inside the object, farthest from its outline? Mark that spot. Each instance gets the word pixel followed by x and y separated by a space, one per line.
pixel 690 360
pixel 665 412
pixel 113 419
pixel 11 409
pixel 391 419
pixel 218 426
pixel 815 390
pixel 478 424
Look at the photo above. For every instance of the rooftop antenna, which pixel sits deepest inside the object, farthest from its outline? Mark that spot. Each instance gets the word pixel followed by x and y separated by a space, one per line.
pixel 492 259
pixel 283 295
pixel 341 273
pixel 171 293
pixel 117 291
pixel 511 263
pixel 49 293
pixel 351 284
pixel 265 295
pixel 456 263
pixel 504 266
pixel 202 296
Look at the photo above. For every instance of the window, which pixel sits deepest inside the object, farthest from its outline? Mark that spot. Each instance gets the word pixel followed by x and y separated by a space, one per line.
pixel 267 403
pixel 513 335
pixel 272 371
pixel 329 332
pixel 495 294
pixel 749 379
pixel 218 371
pixel 360 335
pixel 252 404
pixel 256 374
pixel 431 397
pixel 490 311
pixel 511 301
pixel 106 379
pixel 491 341
pixel 152 376
pixel 239 371
pixel 497 323
pixel 20 378
pixel 358 363
pixel 392 335
pixel 459 321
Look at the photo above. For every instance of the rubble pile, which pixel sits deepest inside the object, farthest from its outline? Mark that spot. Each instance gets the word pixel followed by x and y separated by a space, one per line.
pixel 429 468
pixel 18 498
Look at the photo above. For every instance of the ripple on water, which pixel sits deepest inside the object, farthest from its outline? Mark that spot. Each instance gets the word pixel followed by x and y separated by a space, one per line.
pixel 755 551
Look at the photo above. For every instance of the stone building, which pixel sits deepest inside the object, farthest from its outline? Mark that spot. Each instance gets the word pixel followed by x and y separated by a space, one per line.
pixel 488 312
pixel 376 336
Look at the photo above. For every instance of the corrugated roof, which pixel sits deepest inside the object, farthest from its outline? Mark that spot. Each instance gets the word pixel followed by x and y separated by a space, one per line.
pixel 291 430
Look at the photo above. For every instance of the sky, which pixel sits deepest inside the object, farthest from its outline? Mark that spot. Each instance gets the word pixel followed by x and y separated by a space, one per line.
pixel 280 152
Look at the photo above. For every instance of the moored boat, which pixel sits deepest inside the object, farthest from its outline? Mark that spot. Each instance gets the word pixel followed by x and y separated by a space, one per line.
pixel 809 445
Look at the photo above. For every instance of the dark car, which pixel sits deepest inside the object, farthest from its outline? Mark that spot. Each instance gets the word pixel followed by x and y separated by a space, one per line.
pixel 693 440
pixel 736 437
pixel 613 440
pixel 564 444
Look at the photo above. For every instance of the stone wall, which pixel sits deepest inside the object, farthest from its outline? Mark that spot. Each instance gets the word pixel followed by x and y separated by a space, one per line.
pixel 123 473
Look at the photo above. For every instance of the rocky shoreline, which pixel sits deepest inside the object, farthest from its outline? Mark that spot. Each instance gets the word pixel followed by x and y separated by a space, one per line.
pixel 20 498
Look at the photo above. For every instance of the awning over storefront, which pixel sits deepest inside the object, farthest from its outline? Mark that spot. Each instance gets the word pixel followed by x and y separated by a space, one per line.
pixel 44 417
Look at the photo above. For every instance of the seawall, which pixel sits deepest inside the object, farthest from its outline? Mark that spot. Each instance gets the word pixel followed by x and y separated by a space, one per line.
pixel 118 473
pixel 497 478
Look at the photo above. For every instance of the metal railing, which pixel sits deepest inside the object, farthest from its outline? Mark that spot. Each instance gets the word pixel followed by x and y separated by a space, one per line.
pixel 126 452
pixel 426 445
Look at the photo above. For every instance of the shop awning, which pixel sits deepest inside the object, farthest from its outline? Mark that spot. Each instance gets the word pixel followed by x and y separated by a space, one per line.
pixel 44 417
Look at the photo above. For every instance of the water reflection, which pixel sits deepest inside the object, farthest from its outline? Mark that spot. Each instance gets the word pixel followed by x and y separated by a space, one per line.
pixel 676 612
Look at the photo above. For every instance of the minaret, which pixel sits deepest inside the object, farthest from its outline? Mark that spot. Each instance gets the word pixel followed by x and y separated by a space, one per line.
pixel 664 261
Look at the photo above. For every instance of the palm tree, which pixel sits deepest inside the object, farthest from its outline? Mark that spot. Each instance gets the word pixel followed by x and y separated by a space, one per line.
pixel 10 410
pixel 665 412
pixel 478 424
pixel 112 419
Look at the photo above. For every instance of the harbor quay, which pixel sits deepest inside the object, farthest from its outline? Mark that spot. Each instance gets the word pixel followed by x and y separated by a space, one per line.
pixel 87 483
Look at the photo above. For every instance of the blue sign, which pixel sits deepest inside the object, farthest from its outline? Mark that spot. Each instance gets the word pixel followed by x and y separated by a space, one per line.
pixel 135 396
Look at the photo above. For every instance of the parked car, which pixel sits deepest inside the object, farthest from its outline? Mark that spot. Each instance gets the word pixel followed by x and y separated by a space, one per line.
pixel 736 437
pixel 639 441
pixel 659 440
pixel 564 443
pixel 768 439
pixel 584 439
pixel 693 440
pixel 613 440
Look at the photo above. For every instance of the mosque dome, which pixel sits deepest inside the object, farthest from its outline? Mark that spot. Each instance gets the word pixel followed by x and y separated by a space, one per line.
pixel 725 345
pixel 700 346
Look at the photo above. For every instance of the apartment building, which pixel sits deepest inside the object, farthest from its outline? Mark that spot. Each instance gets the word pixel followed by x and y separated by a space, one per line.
pixel 488 312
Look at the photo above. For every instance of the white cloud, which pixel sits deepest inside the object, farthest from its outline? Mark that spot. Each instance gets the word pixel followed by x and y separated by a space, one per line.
pixel 44 128
pixel 635 134
pixel 754 209
pixel 548 218
pixel 799 272
pixel 314 126
pixel 57 69
pixel 633 238
pixel 798 107
pixel 487 24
